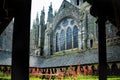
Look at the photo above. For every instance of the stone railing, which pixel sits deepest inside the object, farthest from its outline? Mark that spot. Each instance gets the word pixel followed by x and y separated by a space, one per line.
pixel 114 40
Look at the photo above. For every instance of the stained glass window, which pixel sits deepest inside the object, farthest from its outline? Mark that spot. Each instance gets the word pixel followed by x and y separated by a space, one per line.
pixel 57 43
pixel 72 22
pixel 75 36
pixel 65 22
pixel 69 38
pixel 62 40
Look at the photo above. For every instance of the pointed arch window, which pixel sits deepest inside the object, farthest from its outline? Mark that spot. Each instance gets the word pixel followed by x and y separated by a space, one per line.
pixel 75 36
pixel 62 40
pixel 91 43
pixel 57 42
pixel 77 2
pixel 69 38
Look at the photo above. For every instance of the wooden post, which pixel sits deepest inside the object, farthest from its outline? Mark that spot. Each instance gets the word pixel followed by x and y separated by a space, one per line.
pixel 102 48
pixel 21 37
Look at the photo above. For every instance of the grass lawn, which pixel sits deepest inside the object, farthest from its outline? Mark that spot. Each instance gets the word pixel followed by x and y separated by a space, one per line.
pixel 68 78
pixel 5 78
pixel 84 78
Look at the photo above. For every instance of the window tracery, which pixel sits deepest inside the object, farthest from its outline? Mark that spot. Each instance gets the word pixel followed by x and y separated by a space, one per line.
pixel 75 36
pixel 69 38
pixel 62 40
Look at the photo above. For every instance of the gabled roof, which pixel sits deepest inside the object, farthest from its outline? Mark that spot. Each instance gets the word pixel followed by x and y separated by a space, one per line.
pixel 66 4
pixel 66 10
pixel 87 57
pixel 5 58
pixel 6 13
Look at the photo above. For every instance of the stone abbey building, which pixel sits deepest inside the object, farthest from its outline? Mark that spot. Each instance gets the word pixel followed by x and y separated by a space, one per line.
pixel 72 28
pixel 69 37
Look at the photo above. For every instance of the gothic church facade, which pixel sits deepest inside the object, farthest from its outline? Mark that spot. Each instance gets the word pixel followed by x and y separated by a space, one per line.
pixel 72 28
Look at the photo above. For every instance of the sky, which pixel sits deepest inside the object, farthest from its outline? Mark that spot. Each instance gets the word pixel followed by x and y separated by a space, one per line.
pixel 37 6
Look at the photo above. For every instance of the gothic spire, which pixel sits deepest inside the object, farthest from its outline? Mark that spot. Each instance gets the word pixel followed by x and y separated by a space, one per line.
pixel 42 17
pixel 37 19
pixel 50 14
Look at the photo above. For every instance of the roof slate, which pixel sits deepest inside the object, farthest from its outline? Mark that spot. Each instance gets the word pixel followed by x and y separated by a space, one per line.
pixel 86 57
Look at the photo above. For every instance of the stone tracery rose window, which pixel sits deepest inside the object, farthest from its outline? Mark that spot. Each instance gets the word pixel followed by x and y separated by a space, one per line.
pixel 64 32
pixel 65 22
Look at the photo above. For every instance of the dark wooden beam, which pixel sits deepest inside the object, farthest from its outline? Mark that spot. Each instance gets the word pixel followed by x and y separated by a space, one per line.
pixel 102 48
pixel 104 10
pixel 21 38
pixel 6 13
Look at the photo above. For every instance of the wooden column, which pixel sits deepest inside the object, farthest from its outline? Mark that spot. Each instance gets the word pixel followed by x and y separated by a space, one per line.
pixel 21 38
pixel 102 48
